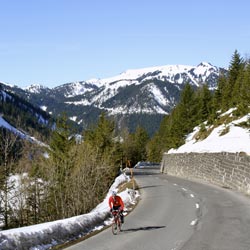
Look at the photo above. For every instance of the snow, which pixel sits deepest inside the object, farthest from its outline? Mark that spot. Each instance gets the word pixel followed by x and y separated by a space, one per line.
pixel 133 74
pixel 79 88
pixel 237 139
pixel 203 69
pixel 34 88
pixel 82 102
pixel 44 108
pixel 158 95
pixel 73 118
pixel 45 235
pixel 5 124
pixel 7 84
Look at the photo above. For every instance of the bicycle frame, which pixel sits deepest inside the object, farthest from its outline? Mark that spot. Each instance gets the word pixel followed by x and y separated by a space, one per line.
pixel 116 225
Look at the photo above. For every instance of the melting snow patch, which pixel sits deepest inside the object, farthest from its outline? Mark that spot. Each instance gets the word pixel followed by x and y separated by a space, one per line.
pixel 194 222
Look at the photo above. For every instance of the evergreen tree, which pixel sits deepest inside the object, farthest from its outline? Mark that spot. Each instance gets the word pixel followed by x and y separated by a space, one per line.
pixel 155 148
pixel 218 94
pixel 60 165
pixel 235 67
pixel 183 116
pixel 192 108
pixel 141 138
pixel 101 136
pixel 136 146
pixel 245 90
pixel 203 103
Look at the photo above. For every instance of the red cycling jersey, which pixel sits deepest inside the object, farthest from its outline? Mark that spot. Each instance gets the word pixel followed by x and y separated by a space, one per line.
pixel 116 201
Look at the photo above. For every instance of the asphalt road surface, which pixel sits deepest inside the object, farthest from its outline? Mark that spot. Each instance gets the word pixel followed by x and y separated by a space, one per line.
pixel 177 214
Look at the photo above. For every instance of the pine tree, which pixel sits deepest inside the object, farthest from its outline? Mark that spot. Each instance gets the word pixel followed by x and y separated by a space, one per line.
pixel 235 67
pixel 203 103
pixel 245 90
pixel 155 148
pixel 217 102
pixel 60 165
pixel 101 136
pixel 141 138
pixel 184 115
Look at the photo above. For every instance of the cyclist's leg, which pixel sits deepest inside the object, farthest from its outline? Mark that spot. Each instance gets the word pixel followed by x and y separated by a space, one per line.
pixel 122 217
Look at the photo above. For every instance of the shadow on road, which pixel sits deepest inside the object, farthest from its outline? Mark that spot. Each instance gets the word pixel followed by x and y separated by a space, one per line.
pixel 152 186
pixel 143 228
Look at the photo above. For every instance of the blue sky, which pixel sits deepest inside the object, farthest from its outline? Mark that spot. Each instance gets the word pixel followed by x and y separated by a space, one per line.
pixel 52 42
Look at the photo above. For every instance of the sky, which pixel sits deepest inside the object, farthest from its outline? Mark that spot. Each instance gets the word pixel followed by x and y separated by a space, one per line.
pixel 55 42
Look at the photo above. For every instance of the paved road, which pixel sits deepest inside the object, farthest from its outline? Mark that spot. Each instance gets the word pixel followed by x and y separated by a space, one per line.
pixel 176 214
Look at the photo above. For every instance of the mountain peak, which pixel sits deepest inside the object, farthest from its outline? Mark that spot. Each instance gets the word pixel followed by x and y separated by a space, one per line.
pixel 205 64
pixel 34 88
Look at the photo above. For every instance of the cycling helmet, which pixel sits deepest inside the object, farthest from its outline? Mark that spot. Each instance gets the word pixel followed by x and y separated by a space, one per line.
pixel 114 193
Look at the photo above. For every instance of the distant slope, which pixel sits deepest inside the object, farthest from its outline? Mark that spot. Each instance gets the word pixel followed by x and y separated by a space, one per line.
pixel 22 117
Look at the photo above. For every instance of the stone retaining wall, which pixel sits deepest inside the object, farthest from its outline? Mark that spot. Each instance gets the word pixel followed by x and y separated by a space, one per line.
pixel 230 170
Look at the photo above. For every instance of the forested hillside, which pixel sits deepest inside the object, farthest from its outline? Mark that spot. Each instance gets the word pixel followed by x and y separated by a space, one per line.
pixel 202 105
pixel 25 116
pixel 68 178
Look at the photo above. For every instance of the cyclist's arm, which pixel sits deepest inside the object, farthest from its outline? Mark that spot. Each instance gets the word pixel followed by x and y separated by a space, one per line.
pixel 122 204
pixel 110 202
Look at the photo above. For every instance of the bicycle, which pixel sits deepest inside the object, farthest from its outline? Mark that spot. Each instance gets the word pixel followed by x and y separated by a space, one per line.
pixel 116 224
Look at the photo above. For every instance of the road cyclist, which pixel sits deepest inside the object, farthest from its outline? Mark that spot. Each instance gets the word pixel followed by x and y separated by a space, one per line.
pixel 116 205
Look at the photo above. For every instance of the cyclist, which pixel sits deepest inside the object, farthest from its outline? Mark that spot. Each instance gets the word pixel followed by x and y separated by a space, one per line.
pixel 116 203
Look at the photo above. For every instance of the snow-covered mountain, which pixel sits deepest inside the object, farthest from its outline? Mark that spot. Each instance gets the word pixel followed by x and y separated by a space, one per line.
pixel 131 97
pixel 148 90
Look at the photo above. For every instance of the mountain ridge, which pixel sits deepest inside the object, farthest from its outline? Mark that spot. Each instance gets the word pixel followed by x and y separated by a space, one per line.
pixel 135 92
pixel 134 74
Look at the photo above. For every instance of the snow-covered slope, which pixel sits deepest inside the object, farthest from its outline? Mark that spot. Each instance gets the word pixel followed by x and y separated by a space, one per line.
pixel 225 138
pixel 172 73
pixel 153 90
pixel 18 116
pixel 19 133
pixel 35 88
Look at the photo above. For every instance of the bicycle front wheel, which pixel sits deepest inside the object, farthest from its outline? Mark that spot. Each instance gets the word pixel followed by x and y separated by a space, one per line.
pixel 115 228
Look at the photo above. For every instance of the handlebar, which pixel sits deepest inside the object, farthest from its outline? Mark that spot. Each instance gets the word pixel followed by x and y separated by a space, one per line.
pixel 115 211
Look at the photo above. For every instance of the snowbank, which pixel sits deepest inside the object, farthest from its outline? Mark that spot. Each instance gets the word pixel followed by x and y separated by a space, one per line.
pixel 45 235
